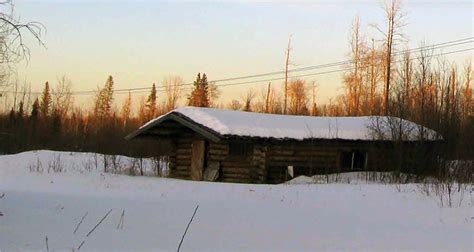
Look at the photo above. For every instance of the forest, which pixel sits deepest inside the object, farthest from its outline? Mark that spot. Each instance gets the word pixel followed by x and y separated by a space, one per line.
pixel 380 77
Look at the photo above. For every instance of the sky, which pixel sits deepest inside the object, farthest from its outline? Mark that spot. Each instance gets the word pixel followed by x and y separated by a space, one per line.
pixel 141 42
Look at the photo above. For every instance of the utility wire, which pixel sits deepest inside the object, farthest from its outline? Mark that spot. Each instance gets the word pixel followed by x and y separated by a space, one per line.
pixel 325 72
pixel 327 65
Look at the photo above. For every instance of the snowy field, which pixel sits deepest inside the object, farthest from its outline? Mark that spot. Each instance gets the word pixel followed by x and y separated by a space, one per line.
pixel 151 214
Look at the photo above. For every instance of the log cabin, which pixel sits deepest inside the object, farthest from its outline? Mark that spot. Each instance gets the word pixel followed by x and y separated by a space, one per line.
pixel 245 147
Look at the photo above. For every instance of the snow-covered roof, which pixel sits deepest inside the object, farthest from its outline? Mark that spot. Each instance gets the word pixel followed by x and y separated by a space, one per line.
pixel 228 123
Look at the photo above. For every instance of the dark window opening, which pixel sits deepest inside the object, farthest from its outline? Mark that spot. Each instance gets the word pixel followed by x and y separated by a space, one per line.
pixel 239 149
pixel 302 171
pixel 353 159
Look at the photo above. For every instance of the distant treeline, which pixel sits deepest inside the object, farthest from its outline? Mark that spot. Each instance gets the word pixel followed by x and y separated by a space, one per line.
pixel 417 85
pixel 437 96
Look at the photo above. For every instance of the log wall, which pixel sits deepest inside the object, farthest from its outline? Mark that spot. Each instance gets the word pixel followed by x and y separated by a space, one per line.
pixel 268 162
pixel 250 168
pixel 313 158
pixel 182 167
pixel 242 169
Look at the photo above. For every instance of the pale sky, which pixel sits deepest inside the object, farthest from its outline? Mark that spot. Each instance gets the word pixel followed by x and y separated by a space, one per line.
pixel 140 42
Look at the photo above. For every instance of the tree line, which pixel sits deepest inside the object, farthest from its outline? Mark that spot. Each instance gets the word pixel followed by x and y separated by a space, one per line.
pixel 415 85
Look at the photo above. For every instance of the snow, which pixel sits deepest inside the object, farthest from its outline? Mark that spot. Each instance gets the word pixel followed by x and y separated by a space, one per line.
pixel 249 124
pixel 231 217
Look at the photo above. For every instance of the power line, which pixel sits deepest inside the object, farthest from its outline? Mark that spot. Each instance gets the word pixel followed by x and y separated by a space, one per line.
pixel 333 64
pixel 328 72
pixel 304 75
pixel 341 63
pixel 332 71
pixel 314 67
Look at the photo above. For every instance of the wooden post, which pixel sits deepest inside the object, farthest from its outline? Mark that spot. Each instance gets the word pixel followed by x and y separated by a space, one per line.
pixel 366 161
pixel 352 161
pixel 197 159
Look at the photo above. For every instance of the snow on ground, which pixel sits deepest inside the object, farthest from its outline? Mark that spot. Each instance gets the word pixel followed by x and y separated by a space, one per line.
pixel 231 217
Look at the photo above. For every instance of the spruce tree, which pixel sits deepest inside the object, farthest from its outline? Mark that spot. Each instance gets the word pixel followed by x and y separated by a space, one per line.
pixel 204 99
pixel 200 95
pixel 35 110
pixel 46 101
pixel 151 103
pixel 193 98
pixel 109 92
pixel 104 99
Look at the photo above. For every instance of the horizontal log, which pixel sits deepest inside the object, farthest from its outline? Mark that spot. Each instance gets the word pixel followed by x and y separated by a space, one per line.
pixel 216 158
pixel 230 167
pixel 188 164
pixel 305 153
pixel 300 161
pixel 183 145
pixel 183 156
pixel 218 147
pixel 183 150
pixel 182 168
pixel 281 152
pixel 219 152
pixel 235 172
pixel 183 159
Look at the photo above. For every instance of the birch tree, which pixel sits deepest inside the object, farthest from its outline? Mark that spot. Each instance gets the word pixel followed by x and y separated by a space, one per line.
pixel 394 23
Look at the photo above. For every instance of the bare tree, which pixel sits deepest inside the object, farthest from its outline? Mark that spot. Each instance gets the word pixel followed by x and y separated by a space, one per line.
pixel 287 62
pixel 468 105
pixel 234 105
pixel 214 94
pixel 12 40
pixel 267 97
pixel 298 97
pixel 172 86
pixel 395 21
pixel 353 80
pixel 142 113
pixel 126 109
pixel 314 108
pixel 374 70
pixel 62 97
pixel 247 100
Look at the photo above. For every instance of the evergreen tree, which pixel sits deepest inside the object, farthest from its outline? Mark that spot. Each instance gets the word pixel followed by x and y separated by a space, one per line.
pixel 56 124
pixel 35 110
pixel 104 99
pixel 151 103
pixel 21 111
pixel 46 100
pixel 193 97
pixel 200 95
pixel 109 92
pixel 12 117
pixel 204 92
pixel 33 120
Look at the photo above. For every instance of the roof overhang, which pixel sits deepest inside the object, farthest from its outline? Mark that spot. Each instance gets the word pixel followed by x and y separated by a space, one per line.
pixel 205 132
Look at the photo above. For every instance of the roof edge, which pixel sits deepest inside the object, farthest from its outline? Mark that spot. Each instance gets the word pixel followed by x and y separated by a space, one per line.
pixel 181 119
